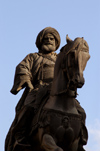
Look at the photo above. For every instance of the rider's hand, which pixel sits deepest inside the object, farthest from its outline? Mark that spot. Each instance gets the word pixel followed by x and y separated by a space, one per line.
pixel 20 85
pixel 30 86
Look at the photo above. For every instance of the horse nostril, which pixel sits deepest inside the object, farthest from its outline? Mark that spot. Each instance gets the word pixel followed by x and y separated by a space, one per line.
pixel 79 79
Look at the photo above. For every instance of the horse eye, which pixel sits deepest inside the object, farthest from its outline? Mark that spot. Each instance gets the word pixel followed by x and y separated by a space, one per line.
pixel 85 44
pixel 76 47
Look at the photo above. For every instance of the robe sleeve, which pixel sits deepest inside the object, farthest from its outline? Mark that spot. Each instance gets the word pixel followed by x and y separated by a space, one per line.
pixel 23 74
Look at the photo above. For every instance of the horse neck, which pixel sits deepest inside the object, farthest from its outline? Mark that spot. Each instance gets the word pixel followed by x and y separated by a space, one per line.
pixel 62 102
pixel 59 82
pixel 61 97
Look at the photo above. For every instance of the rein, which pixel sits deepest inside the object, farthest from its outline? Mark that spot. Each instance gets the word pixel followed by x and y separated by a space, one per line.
pixel 65 70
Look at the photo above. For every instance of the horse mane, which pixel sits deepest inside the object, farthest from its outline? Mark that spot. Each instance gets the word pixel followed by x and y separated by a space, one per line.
pixel 59 74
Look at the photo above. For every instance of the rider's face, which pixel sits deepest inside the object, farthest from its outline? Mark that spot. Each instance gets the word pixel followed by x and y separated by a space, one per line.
pixel 49 43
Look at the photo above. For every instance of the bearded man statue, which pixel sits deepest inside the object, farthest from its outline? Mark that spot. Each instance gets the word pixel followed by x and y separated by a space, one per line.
pixel 34 73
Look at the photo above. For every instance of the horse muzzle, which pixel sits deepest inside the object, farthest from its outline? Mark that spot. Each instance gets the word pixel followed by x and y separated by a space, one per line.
pixel 79 81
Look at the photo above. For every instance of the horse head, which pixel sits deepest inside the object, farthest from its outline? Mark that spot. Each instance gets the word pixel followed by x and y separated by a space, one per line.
pixel 70 64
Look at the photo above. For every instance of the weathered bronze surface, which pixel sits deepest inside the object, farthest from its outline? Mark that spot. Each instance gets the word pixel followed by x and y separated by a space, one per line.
pixel 48 116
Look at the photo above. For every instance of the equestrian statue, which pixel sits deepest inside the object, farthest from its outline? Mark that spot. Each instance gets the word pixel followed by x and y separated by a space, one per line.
pixel 48 115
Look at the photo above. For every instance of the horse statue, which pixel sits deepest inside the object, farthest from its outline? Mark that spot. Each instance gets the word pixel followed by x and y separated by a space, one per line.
pixel 59 123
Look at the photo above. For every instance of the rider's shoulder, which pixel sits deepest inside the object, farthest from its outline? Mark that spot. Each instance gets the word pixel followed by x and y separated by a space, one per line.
pixel 33 55
pixel 37 55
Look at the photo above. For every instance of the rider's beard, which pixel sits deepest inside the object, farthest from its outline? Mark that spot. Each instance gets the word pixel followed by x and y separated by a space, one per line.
pixel 48 48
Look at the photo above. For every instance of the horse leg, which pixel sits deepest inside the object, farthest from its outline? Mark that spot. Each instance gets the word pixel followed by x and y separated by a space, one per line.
pixel 48 143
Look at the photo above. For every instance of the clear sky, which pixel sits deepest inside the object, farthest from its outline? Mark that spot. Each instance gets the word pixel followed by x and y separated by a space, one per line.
pixel 20 22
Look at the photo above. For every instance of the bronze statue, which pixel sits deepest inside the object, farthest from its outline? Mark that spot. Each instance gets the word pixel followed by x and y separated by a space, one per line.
pixel 48 116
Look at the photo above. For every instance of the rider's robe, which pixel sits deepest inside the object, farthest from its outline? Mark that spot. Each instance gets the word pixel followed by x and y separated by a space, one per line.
pixel 37 68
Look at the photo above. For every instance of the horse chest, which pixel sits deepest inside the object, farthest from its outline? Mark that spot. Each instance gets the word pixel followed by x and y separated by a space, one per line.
pixel 63 104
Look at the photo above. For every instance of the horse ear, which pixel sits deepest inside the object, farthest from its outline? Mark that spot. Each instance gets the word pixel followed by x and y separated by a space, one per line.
pixel 68 40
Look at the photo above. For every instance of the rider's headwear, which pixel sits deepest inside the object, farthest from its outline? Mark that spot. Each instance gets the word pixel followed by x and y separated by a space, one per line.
pixel 45 31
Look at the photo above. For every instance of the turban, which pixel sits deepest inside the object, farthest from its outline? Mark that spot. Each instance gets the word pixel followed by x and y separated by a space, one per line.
pixel 45 31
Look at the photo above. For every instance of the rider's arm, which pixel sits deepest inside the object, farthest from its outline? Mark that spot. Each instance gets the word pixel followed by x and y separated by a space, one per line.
pixel 23 75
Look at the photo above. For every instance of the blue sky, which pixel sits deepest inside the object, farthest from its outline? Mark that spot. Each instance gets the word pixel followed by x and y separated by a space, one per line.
pixel 20 22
